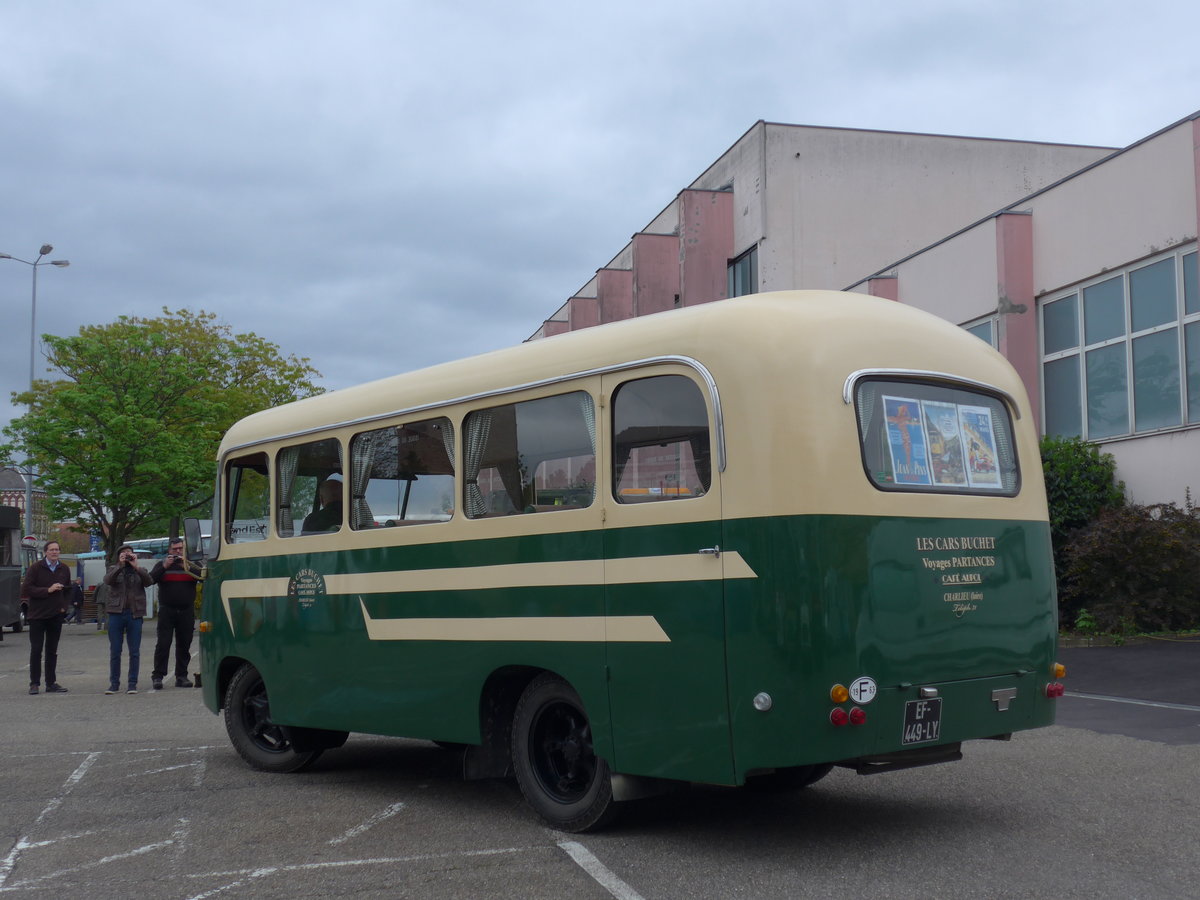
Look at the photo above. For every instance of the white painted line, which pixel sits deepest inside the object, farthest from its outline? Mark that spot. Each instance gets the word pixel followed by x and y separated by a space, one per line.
pixel 115 857
pixel 242 876
pixel 603 876
pixel 22 843
pixel 1155 703
pixel 369 823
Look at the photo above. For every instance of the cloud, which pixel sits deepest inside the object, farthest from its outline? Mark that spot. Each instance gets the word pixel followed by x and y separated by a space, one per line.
pixel 381 186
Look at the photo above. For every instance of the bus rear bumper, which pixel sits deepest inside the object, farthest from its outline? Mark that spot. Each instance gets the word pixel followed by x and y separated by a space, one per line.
pixel 904 759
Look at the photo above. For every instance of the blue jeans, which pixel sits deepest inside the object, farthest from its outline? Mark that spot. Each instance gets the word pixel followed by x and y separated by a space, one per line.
pixel 123 626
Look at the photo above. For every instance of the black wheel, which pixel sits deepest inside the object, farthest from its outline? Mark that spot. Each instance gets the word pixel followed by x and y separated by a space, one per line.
pixel 792 778
pixel 259 741
pixel 558 771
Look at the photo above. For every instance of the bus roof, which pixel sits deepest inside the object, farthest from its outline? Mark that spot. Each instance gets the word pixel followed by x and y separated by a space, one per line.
pixel 765 333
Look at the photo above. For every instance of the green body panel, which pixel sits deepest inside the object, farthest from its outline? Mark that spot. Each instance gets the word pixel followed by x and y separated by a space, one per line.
pixel 842 597
pixel 670 709
pixel 833 599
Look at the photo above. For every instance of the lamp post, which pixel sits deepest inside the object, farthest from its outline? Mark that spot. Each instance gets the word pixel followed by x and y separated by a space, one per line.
pixel 34 265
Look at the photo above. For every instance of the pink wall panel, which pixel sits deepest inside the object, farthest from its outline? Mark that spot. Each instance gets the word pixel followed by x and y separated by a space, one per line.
pixel 583 312
pixel 706 238
pixel 887 287
pixel 614 293
pixel 655 273
pixel 552 327
pixel 1016 305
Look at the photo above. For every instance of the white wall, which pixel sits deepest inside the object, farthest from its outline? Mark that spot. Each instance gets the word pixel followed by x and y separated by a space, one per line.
pixel 1133 206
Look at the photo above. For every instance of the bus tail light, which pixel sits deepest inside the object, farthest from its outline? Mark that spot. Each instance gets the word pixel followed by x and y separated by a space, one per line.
pixel 1054 689
pixel 204 627
pixel 839 693
pixel 838 717
pixel 1059 671
pixel 858 716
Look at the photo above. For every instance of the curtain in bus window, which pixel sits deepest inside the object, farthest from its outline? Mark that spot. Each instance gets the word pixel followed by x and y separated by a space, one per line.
pixel 362 458
pixel 287 461
pixel 588 408
pixel 448 440
pixel 478 427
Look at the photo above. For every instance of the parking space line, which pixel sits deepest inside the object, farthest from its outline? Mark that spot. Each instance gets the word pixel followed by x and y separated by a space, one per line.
pixel 23 843
pixel 369 823
pixel 1156 703
pixel 242 876
pixel 602 875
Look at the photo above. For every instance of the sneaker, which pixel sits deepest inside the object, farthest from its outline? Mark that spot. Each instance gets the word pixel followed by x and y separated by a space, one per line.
pixel 33 689
pixel 182 682
pixel 55 688
pixel 132 689
pixel 157 682
pixel 113 688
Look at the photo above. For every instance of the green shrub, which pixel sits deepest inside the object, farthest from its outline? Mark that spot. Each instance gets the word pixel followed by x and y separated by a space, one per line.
pixel 1080 482
pixel 1134 568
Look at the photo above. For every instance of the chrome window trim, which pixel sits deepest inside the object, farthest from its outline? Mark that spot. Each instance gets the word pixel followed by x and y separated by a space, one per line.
pixel 694 364
pixel 854 377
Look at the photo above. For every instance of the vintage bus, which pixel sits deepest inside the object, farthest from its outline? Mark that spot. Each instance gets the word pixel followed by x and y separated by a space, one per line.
pixel 741 542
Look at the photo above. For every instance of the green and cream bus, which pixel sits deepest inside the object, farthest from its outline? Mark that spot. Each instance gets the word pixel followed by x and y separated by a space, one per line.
pixel 742 542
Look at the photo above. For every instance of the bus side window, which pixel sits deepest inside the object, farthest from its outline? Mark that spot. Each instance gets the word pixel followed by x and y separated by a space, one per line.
pixel 660 440
pixel 309 488
pixel 247 499
pixel 534 456
pixel 402 474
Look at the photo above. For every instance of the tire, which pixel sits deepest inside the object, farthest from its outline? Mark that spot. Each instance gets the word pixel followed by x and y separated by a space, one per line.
pixel 259 741
pixel 792 778
pixel 557 769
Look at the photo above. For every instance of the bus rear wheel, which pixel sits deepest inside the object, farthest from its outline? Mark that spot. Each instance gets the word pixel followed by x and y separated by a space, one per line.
pixel 263 744
pixel 556 766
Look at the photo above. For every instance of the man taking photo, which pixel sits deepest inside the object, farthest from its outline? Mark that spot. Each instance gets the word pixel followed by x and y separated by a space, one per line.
pixel 176 579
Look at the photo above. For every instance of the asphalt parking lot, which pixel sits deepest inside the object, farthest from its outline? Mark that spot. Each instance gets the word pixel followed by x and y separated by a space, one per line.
pixel 119 796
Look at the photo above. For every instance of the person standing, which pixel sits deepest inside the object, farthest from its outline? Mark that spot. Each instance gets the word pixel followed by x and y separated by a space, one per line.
pixel 76 612
pixel 176 579
pixel 126 608
pixel 46 585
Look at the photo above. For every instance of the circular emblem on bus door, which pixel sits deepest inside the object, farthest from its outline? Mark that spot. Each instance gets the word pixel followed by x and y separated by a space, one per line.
pixel 863 690
pixel 306 586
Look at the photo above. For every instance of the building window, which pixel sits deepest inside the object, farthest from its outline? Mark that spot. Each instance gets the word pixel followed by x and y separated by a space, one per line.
pixel 743 274
pixel 984 329
pixel 1121 354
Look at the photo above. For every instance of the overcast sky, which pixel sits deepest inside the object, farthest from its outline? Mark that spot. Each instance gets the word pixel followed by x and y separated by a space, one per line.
pixel 381 186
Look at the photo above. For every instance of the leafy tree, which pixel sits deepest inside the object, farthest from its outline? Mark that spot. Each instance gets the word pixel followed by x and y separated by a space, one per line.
pixel 126 435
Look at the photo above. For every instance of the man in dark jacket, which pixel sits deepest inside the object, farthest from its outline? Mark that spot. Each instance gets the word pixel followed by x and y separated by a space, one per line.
pixel 45 584
pixel 126 607
pixel 176 579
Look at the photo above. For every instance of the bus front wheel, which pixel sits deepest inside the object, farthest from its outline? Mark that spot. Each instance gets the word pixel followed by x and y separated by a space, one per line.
pixel 558 771
pixel 258 740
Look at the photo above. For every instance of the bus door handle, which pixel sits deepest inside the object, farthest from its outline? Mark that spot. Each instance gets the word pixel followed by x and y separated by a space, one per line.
pixel 714 552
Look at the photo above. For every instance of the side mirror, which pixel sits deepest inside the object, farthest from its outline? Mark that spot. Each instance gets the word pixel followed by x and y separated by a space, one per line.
pixel 193 540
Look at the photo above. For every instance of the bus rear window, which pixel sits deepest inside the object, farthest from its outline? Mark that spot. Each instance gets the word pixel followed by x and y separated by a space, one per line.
pixel 932 437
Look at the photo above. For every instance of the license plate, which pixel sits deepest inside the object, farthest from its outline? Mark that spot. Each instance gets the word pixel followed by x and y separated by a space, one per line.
pixel 922 721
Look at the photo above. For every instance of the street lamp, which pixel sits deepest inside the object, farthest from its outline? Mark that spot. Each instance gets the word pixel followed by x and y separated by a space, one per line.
pixel 34 264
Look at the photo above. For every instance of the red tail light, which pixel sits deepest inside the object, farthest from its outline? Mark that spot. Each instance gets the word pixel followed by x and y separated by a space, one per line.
pixel 1054 689
pixel 858 716
pixel 838 717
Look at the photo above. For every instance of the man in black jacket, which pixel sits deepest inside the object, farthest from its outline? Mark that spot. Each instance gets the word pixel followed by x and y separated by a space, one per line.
pixel 176 579
pixel 46 585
